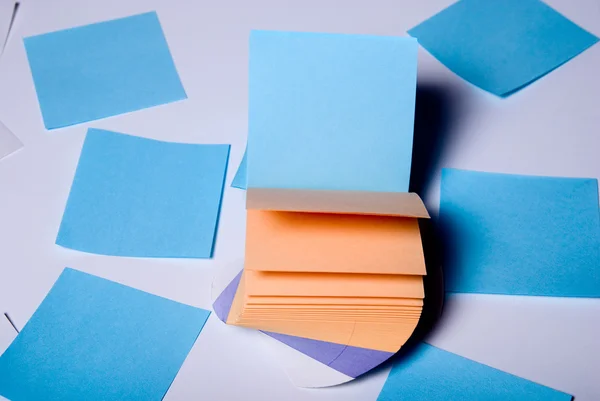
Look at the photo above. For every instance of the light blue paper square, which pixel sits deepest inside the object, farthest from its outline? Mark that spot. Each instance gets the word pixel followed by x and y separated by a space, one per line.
pixel 428 373
pixel 239 181
pixel 95 340
pixel 331 112
pixel 134 196
pixel 501 46
pixel 520 235
pixel 101 70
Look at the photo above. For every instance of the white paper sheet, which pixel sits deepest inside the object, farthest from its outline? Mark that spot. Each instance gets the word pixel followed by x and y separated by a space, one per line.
pixel 9 143
pixel 302 370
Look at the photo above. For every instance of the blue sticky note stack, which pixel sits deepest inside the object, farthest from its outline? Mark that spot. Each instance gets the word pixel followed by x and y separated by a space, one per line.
pixel 331 112
pixel 95 340
pixel 239 181
pixel 101 70
pixel 431 374
pixel 520 235
pixel 501 46
pixel 133 196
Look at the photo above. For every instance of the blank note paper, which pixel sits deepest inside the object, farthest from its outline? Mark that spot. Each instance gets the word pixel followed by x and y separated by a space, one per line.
pixel 239 181
pixel 101 70
pixel 501 46
pixel 520 235
pixel 428 373
pixel 92 339
pixel 134 196
pixel 348 101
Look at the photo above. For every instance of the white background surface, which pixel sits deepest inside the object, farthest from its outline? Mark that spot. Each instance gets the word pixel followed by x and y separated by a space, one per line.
pixel 549 128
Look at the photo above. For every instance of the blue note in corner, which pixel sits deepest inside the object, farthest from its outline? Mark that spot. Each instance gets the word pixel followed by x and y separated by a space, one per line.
pixel 331 112
pixel 96 340
pixel 428 373
pixel 239 181
pixel 139 197
pixel 101 70
pixel 501 46
pixel 520 235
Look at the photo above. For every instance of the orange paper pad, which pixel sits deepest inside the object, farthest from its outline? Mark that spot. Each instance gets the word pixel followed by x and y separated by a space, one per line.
pixel 352 276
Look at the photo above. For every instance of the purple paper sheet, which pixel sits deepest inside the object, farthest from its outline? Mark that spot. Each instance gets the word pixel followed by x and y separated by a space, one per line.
pixel 346 359
pixel 222 304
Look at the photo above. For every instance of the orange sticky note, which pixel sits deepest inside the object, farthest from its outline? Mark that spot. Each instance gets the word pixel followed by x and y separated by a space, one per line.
pixel 350 301
pixel 261 283
pixel 333 243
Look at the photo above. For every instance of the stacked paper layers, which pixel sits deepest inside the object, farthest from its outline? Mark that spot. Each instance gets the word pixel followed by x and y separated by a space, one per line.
pixel 334 263
pixel 349 273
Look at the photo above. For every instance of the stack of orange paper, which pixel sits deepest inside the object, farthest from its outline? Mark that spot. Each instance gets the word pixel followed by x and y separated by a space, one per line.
pixel 338 266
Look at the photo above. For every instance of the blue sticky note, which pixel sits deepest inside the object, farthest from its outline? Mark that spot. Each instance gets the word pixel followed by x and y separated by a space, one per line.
pixel 134 196
pixel 95 340
pixel 501 46
pixel 520 235
pixel 239 181
pixel 101 70
pixel 428 373
pixel 331 112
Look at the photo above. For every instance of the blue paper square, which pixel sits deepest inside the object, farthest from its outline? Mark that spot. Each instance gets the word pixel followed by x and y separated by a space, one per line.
pixel 428 373
pixel 134 196
pixel 101 70
pixel 501 46
pixel 331 112
pixel 95 340
pixel 520 235
pixel 239 181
